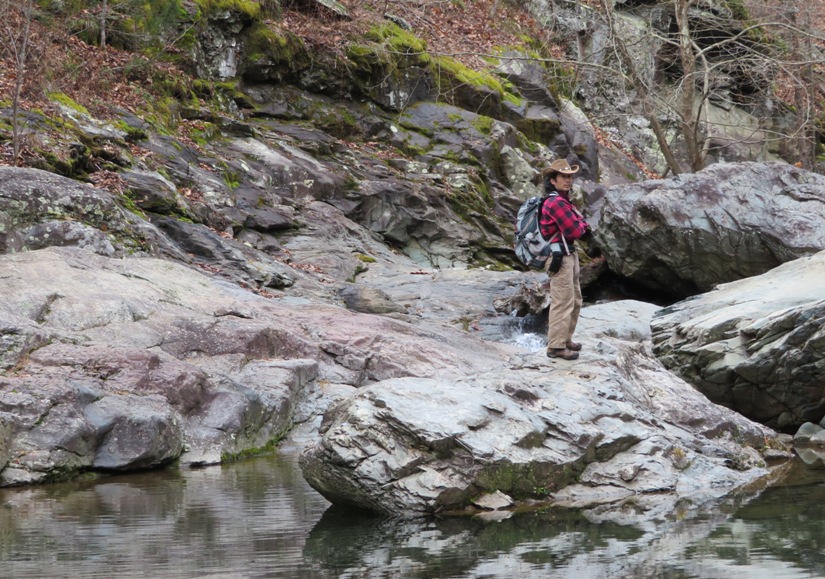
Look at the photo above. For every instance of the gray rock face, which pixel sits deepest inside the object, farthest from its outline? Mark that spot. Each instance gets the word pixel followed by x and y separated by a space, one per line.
pixel 756 345
pixel 40 209
pixel 608 427
pixel 730 221
pixel 122 364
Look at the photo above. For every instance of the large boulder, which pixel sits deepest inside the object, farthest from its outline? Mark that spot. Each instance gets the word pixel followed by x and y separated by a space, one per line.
pixel 612 426
pixel 685 235
pixel 132 363
pixel 755 345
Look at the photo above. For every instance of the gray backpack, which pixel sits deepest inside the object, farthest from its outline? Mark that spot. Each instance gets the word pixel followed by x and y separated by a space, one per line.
pixel 530 246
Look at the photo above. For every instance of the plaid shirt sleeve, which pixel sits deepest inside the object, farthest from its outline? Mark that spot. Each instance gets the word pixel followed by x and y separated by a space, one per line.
pixel 558 213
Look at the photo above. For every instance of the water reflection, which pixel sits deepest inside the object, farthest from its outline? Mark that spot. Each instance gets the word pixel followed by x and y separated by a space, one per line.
pixel 258 518
pixel 782 532
pixel 246 518
pixel 456 547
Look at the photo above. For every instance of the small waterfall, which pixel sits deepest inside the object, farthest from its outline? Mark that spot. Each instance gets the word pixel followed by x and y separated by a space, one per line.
pixel 528 332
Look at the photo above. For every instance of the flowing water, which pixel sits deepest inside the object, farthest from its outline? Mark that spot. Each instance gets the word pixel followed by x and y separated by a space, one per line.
pixel 258 518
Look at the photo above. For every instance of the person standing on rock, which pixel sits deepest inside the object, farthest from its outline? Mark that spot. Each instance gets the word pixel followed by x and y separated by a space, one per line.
pixel 562 224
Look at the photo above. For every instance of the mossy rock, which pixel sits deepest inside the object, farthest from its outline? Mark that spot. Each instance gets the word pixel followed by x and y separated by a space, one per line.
pixel 249 10
pixel 527 481
pixel 398 41
pixel 385 53
pixel 540 130
pixel 270 53
pixel 473 90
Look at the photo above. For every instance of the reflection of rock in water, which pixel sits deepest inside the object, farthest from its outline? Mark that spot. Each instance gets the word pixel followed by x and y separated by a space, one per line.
pixel 549 543
pixel 355 544
pixel 657 538
pixel 813 457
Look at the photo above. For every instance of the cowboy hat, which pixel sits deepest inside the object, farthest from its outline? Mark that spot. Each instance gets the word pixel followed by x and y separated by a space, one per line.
pixel 560 166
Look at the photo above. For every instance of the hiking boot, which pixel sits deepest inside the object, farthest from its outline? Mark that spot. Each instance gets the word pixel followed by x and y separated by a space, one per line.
pixel 575 346
pixel 564 353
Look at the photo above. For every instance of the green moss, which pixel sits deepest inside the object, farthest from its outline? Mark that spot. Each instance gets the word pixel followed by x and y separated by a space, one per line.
pixel 526 481
pixel 68 102
pixel 205 133
pixel 464 322
pixel 513 99
pixel 248 8
pixel 129 204
pixel 527 144
pixel 359 269
pixel 161 114
pixel 366 258
pixel 454 157
pixel 49 161
pixel 491 265
pixel 133 25
pixel 268 448
pixel 361 53
pixel 232 179
pixel 448 71
pixel 483 125
pixel 399 40
pixel 388 49
pixel 263 42
pixel 65 474
pixel 338 122
pixel 412 150
pixel 409 124
pixel 562 81
pixel 133 134
pixel 471 201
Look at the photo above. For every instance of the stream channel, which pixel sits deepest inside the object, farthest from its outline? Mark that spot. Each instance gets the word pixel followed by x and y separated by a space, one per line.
pixel 258 518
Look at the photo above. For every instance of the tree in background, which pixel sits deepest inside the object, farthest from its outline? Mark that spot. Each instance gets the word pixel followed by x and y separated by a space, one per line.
pixel 127 24
pixel 799 82
pixel 734 56
pixel 15 30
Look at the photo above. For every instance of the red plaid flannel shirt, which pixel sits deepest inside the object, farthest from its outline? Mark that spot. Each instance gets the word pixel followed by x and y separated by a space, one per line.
pixel 557 213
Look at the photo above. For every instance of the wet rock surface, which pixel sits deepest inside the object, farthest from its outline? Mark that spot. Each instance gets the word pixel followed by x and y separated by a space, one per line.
pixel 756 345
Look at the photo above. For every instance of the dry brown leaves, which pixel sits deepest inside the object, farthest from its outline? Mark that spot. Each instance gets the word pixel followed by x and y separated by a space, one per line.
pixel 191 194
pixel 305 267
pixel 94 77
pixel 467 32
pixel 109 181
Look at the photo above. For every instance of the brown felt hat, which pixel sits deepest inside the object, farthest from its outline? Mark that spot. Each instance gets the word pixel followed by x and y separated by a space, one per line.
pixel 560 166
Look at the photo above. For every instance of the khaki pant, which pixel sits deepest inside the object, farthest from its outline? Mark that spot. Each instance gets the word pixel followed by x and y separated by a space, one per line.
pixel 565 302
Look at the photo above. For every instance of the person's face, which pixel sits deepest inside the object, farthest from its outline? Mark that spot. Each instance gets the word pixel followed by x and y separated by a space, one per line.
pixel 562 182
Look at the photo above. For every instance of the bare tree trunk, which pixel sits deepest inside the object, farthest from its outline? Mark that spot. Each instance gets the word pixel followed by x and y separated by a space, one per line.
pixel 642 90
pixel 104 15
pixel 808 148
pixel 16 42
pixel 687 56
pixel 801 144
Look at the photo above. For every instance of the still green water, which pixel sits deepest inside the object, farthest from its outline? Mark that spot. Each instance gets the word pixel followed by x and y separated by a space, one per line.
pixel 258 518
